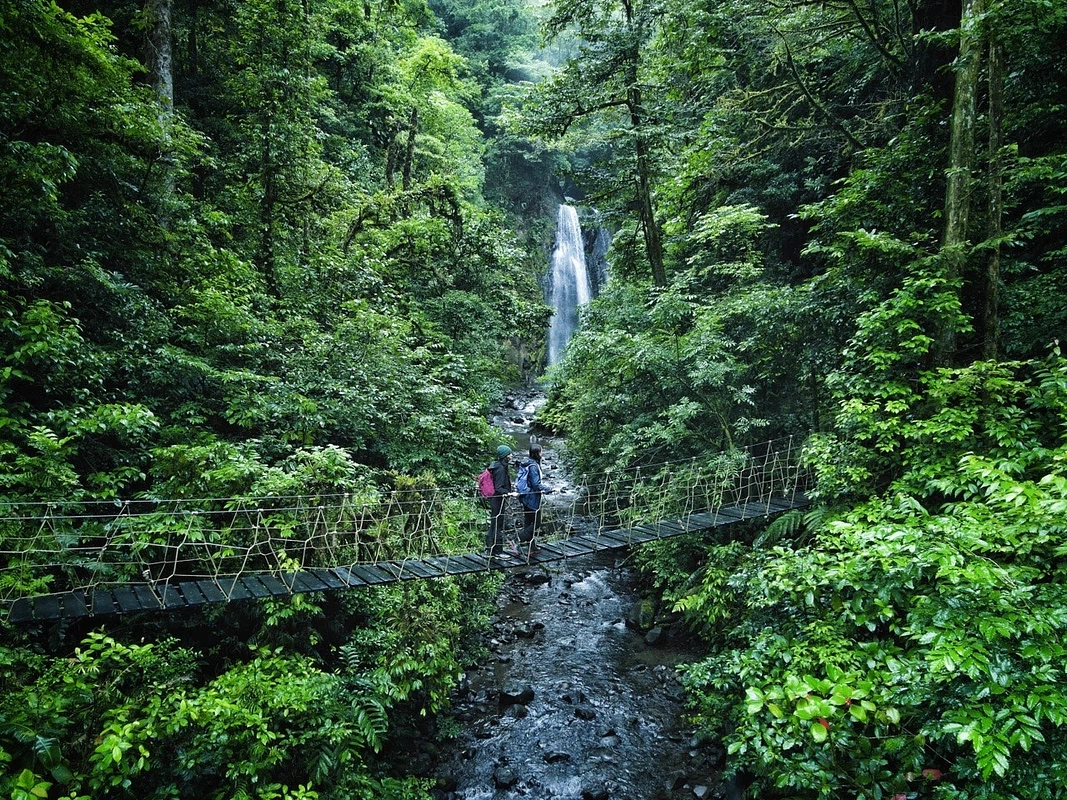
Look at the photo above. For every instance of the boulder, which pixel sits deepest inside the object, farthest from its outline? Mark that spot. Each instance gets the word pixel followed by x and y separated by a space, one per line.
pixel 642 615
pixel 515 693
pixel 504 777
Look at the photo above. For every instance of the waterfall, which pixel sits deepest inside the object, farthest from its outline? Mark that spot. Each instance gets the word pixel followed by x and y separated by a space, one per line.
pixel 570 286
pixel 596 248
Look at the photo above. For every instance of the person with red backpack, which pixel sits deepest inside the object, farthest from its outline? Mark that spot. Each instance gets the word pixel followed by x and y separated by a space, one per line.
pixel 494 539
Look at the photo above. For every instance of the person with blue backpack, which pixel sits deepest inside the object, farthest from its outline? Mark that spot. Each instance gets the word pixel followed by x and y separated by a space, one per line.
pixel 529 488
pixel 494 538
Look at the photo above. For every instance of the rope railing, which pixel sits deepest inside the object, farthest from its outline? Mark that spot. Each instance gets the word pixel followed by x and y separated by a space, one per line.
pixel 51 548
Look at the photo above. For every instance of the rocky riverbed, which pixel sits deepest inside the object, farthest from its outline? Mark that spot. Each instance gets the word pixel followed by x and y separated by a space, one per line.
pixel 578 699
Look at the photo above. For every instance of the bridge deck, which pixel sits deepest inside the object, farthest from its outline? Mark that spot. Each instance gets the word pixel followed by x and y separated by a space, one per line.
pixel 145 597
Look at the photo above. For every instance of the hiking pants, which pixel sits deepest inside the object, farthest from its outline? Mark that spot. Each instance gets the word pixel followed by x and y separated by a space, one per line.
pixel 531 521
pixel 494 538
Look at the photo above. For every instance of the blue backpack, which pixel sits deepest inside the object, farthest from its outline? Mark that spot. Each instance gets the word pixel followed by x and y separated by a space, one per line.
pixel 522 480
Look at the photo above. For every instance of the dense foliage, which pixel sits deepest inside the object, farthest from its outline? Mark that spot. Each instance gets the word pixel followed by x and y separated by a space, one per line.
pixel 252 248
pixel 246 251
pixel 861 214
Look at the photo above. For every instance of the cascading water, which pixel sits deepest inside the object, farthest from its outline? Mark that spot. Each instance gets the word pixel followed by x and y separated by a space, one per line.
pixel 570 287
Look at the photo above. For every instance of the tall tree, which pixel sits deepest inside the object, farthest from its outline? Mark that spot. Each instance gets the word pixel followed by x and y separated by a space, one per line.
pixel 961 163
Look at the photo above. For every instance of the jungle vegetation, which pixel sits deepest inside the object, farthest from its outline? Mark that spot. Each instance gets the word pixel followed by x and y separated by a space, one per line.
pixel 267 247
pixel 843 221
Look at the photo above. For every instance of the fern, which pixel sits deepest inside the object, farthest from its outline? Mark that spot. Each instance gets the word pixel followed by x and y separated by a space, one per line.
pixel 794 526
pixel 785 526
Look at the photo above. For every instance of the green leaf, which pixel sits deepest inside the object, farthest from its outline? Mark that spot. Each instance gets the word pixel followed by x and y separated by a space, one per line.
pixel 818 732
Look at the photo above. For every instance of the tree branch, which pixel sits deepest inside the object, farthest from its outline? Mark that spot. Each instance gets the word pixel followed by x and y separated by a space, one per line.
pixel 834 121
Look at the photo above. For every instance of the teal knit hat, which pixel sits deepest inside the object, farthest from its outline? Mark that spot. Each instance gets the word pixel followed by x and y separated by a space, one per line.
pixel 503 452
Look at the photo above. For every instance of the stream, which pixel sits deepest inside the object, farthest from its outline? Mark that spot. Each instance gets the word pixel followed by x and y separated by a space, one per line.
pixel 579 700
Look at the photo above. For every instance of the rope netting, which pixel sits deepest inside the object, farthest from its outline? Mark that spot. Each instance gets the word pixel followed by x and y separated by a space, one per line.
pixel 52 547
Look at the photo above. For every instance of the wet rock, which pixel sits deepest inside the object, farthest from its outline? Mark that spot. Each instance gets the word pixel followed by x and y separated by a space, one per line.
pixel 515 693
pixel 716 755
pixel 537 579
pixel 654 636
pixel 555 756
pixel 529 631
pixel 595 794
pixel 585 712
pixel 518 711
pixel 446 784
pixel 504 777
pixel 642 615
pixel 675 781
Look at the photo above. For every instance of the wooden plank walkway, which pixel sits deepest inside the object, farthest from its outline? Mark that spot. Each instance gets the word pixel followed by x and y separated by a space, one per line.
pixel 137 598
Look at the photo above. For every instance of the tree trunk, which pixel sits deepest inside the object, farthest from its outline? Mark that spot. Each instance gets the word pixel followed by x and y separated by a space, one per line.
pixel 409 154
pixel 266 209
pixel 960 168
pixel 161 68
pixel 653 242
pixel 990 323
pixel 161 57
pixel 390 153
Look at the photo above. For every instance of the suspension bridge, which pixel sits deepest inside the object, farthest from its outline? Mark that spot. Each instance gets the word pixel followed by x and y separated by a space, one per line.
pixel 66 561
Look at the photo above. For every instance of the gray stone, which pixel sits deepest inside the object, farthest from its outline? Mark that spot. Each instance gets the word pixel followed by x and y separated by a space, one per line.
pixel 513 693
pixel 675 781
pixel 654 636
pixel 504 777
pixel 555 756
pixel 642 615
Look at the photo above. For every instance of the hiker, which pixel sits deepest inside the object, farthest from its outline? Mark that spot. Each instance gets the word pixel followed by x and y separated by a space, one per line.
pixel 528 485
pixel 494 539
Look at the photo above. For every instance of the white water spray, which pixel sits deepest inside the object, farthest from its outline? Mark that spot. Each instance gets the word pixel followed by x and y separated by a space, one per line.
pixel 570 282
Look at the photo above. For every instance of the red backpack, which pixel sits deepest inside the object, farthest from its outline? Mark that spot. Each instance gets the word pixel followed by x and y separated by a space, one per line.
pixel 486 486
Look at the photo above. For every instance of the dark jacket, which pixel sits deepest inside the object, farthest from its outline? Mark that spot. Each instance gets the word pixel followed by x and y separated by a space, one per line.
pixel 501 479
